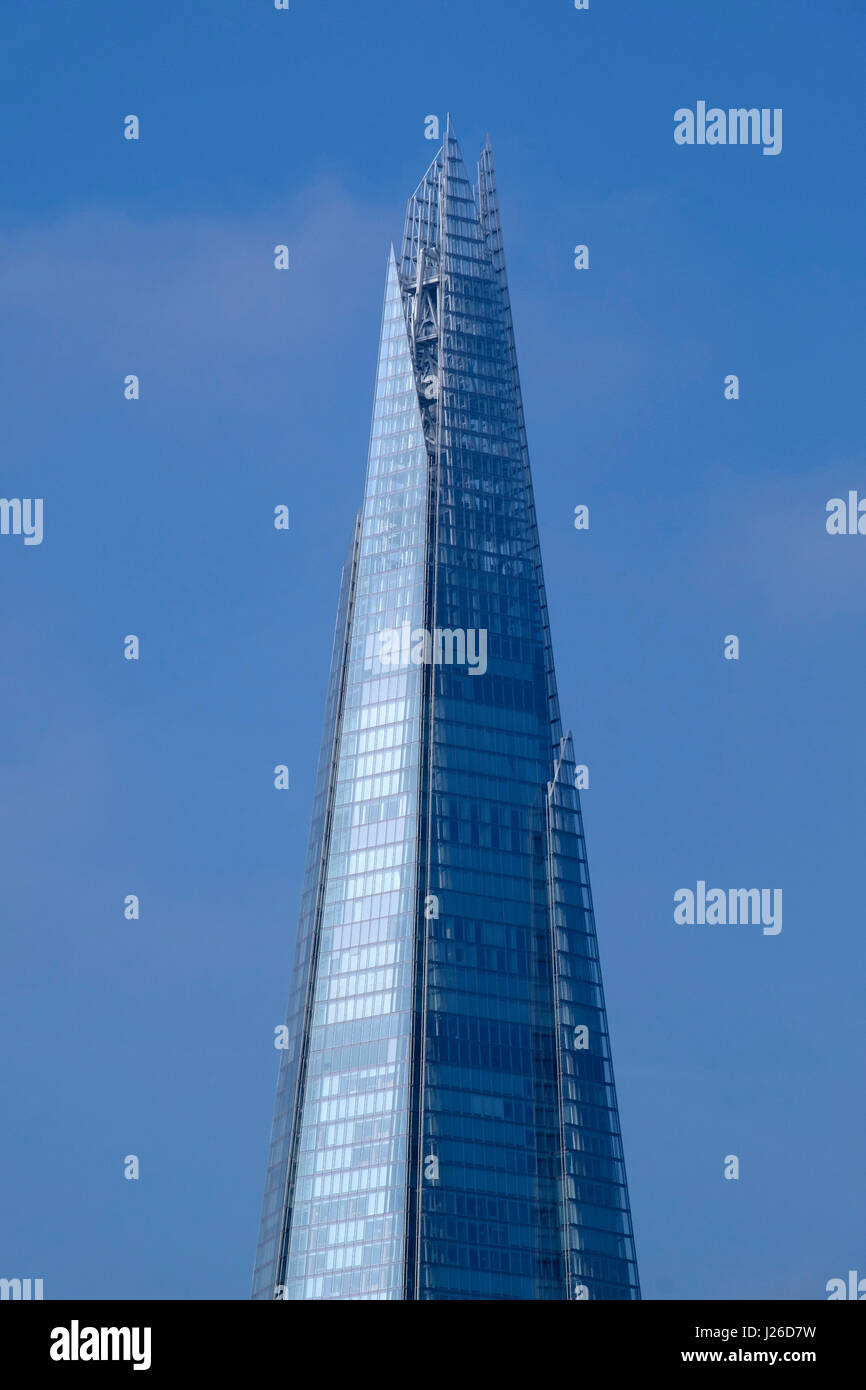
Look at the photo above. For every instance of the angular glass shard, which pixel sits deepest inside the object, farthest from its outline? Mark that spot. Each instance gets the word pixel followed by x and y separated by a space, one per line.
pixel 446 1123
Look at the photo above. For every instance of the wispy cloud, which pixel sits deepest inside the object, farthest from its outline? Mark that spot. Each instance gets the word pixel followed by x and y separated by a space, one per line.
pixel 191 297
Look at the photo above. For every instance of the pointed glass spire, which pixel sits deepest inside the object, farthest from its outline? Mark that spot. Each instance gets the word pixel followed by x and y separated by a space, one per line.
pixel 446 1123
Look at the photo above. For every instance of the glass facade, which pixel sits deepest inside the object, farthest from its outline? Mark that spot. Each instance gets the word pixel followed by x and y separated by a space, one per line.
pixel 446 1123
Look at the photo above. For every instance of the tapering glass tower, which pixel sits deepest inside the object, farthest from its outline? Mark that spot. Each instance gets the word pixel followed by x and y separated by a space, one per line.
pixel 446 1122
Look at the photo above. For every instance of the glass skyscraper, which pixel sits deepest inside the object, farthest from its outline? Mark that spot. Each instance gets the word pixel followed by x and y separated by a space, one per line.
pixel 446 1123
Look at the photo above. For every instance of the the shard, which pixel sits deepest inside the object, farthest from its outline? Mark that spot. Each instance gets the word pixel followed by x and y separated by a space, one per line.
pixel 446 1123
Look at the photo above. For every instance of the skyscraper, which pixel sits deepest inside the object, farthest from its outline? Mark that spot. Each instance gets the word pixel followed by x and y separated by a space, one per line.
pixel 446 1123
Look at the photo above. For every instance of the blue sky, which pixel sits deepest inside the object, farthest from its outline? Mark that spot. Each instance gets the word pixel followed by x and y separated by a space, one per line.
pixel 707 518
